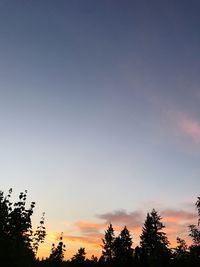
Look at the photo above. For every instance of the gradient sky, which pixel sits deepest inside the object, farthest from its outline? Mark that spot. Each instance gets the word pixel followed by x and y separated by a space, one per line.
pixel 99 112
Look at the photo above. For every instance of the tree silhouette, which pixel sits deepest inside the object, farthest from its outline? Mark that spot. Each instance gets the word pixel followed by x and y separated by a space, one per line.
pixel 195 235
pixel 108 244
pixel 16 232
pixel 39 235
pixel 57 252
pixel 19 242
pixel 198 208
pixel 154 242
pixel 123 251
pixel 94 260
pixel 79 257
pixel 181 252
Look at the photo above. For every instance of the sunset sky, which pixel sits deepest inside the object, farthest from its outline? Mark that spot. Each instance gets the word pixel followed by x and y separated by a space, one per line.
pixel 100 114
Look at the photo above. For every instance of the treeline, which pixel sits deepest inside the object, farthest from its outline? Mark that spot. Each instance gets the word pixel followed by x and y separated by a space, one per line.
pixel 19 243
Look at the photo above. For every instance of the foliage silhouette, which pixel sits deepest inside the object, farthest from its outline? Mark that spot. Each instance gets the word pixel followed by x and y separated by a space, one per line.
pixel 195 235
pixel 16 233
pixel 39 235
pixel 79 257
pixel 19 242
pixel 57 252
pixel 123 252
pixel 154 241
pixel 108 244
pixel 181 251
pixel 198 208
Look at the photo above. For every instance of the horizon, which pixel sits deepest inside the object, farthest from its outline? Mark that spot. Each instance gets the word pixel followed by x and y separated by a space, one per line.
pixel 89 234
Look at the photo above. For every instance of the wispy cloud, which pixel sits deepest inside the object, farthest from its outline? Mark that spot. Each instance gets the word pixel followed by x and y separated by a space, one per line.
pixel 177 222
pixel 178 216
pixel 122 217
pixel 89 227
pixel 135 219
pixel 92 239
pixel 190 127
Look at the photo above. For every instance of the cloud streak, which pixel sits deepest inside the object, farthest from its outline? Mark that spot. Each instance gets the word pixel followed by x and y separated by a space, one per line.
pixel 178 216
pixel 90 227
pixel 190 127
pixel 122 217
pixel 89 239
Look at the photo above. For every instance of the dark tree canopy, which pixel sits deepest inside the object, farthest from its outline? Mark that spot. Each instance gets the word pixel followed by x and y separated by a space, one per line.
pixel 123 251
pixel 154 241
pixel 79 257
pixel 57 252
pixel 181 251
pixel 108 244
pixel 18 241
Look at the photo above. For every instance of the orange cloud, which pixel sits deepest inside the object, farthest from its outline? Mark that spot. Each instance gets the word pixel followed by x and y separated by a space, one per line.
pixel 178 216
pixel 90 239
pixel 177 222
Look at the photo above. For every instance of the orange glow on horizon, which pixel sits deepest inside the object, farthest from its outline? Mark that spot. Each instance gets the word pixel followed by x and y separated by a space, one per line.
pixel 92 240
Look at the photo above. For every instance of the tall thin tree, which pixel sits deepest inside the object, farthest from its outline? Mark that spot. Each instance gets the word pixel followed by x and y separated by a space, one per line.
pixel 154 241
pixel 108 242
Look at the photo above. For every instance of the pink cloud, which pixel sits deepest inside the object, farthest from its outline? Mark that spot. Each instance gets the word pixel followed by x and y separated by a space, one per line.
pixel 121 217
pixel 178 216
pixel 190 127
pixel 90 227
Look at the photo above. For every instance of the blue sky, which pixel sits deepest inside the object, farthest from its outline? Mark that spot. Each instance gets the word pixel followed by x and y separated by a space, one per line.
pixel 99 105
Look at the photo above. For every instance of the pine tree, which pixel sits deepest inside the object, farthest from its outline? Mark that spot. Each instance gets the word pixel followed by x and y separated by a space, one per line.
pixel 108 241
pixel 195 234
pixel 181 251
pixel 154 241
pixel 123 251
pixel 79 257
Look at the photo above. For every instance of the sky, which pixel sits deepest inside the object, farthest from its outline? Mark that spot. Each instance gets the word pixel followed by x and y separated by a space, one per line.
pixel 99 114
